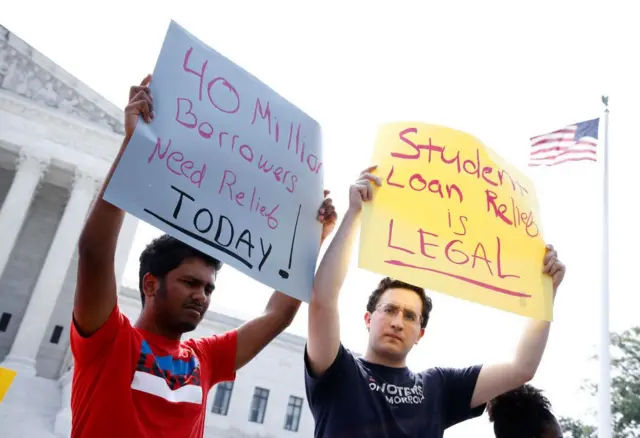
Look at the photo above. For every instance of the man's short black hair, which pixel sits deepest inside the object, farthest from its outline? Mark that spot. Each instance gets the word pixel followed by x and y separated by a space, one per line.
pixel 522 413
pixel 390 283
pixel 165 254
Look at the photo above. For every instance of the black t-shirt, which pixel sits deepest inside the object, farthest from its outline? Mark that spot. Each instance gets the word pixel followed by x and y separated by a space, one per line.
pixel 358 399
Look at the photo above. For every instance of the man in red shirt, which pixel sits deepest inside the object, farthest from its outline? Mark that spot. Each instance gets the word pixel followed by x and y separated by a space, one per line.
pixel 141 380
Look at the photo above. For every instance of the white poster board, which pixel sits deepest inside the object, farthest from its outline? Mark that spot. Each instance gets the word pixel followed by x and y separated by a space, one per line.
pixel 228 166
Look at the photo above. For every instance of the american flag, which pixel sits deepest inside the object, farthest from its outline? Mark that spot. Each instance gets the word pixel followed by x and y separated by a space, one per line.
pixel 576 142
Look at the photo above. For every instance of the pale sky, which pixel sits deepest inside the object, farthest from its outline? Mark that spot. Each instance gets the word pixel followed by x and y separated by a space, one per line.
pixel 501 70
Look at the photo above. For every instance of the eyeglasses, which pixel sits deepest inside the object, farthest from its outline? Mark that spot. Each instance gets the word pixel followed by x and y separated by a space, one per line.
pixel 392 310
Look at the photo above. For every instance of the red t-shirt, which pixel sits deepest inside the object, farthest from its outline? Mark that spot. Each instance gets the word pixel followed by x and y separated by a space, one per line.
pixel 128 382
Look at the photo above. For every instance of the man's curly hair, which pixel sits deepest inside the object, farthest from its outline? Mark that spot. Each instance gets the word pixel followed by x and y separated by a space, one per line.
pixel 166 253
pixel 522 413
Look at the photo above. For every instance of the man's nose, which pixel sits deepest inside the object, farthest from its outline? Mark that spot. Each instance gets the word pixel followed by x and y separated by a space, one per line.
pixel 199 295
pixel 398 321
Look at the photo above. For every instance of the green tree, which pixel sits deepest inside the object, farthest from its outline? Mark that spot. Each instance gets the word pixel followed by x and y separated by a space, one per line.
pixel 573 428
pixel 625 390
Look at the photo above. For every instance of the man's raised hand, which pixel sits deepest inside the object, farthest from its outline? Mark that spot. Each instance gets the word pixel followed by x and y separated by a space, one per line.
pixel 140 104
pixel 327 216
pixel 553 267
pixel 362 190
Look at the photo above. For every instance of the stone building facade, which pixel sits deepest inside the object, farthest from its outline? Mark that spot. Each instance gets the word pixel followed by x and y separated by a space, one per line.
pixel 57 140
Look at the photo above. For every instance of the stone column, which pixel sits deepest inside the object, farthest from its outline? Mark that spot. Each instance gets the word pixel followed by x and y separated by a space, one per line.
pixel 123 249
pixel 16 205
pixel 22 357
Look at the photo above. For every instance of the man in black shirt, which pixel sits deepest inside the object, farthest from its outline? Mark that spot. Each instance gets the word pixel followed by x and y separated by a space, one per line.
pixel 377 396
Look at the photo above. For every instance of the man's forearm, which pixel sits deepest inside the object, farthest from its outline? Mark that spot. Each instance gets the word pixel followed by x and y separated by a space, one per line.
pixel 283 310
pixel 532 345
pixel 334 265
pixel 498 378
pixel 257 333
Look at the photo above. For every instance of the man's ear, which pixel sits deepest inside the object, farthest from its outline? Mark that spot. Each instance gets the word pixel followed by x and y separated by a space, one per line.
pixel 367 320
pixel 150 285
pixel 420 336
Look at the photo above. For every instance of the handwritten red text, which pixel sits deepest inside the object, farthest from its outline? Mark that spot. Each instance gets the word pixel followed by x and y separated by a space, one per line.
pixel 263 111
pixel 176 163
pixel 471 167
pixel 222 95
pixel 241 198
pixel 428 246
pixel 187 118
pixel 417 183
pixel 510 214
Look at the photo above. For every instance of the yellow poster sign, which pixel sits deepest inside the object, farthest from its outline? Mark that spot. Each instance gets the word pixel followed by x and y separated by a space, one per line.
pixel 454 217
pixel 6 378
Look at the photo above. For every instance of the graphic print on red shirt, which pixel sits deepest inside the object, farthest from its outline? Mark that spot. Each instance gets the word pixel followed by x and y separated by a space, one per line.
pixel 129 382
pixel 174 380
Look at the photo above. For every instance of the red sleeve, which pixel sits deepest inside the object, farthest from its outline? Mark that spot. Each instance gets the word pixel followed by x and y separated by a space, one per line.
pixel 219 353
pixel 91 348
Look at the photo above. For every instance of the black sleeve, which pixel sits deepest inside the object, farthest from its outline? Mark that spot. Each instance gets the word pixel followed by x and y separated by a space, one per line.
pixel 459 384
pixel 342 370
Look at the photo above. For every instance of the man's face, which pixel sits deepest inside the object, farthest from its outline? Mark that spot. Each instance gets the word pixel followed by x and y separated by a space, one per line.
pixel 181 300
pixel 394 326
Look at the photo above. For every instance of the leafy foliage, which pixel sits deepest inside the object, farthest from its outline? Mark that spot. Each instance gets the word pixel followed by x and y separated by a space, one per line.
pixel 625 390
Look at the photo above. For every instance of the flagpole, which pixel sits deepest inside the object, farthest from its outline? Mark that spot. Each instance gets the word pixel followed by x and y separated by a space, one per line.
pixel 604 387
